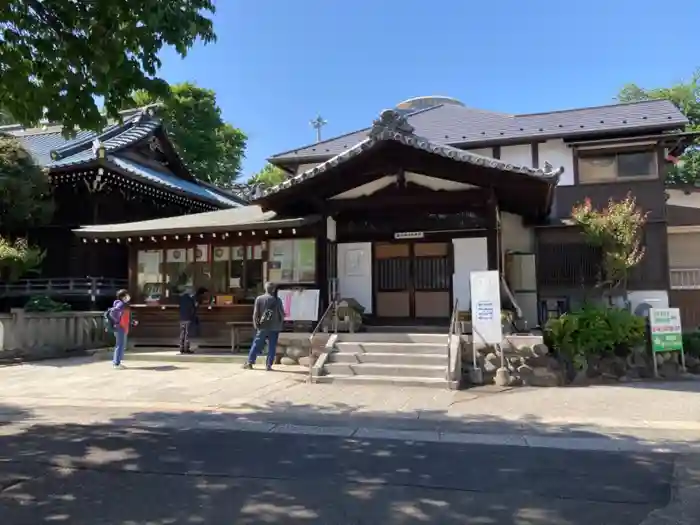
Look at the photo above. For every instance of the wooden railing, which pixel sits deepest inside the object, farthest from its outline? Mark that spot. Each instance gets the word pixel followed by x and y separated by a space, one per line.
pixel 685 278
pixel 68 287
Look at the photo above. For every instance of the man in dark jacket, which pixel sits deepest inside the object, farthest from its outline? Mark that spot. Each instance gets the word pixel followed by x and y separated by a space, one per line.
pixel 188 317
pixel 268 321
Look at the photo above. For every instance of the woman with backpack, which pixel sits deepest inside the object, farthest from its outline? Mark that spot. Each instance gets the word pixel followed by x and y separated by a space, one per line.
pixel 121 321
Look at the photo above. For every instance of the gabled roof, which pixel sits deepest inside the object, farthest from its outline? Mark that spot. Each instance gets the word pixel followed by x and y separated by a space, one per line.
pixel 52 150
pixel 392 126
pixel 462 126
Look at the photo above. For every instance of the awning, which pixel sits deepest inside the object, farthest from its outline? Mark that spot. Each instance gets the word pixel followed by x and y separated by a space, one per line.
pixel 234 219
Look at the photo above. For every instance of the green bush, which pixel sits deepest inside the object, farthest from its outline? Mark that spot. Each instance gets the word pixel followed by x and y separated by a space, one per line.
pixel 595 331
pixel 691 343
pixel 42 303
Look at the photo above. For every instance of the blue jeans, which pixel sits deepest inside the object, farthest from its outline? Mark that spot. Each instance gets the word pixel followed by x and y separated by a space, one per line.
pixel 258 344
pixel 119 348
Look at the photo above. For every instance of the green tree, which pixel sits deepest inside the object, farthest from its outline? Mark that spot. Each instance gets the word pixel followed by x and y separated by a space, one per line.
pixel 617 230
pixel 686 96
pixel 211 148
pixel 25 192
pixel 58 57
pixel 267 177
pixel 25 200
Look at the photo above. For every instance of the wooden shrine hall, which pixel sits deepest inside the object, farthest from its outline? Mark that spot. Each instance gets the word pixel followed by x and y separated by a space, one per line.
pixel 396 222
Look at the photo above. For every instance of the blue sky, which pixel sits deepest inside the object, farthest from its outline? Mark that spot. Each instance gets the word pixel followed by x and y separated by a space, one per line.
pixel 278 63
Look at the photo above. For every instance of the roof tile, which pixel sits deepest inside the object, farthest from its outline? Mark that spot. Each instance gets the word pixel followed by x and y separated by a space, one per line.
pixel 458 125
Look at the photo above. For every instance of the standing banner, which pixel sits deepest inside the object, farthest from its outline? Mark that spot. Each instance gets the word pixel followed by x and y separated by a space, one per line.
pixel 486 307
pixel 666 333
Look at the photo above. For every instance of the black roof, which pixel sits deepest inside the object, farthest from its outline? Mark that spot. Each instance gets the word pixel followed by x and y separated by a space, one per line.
pixel 462 126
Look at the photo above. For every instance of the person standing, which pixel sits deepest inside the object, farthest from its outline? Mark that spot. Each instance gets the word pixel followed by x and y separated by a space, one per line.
pixel 268 321
pixel 189 302
pixel 122 321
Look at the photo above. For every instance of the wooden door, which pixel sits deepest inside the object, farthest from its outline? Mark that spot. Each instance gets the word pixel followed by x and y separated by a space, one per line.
pixel 412 280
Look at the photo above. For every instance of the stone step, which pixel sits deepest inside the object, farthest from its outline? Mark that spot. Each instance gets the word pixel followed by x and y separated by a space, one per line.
pixel 388 358
pixel 384 370
pixel 430 382
pixel 374 337
pixel 356 347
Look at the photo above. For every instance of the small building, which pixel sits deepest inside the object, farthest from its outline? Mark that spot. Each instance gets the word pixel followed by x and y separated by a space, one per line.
pixel 128 171
pixel 399 214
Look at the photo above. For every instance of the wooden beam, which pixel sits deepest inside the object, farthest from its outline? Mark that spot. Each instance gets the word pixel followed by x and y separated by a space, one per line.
pixel 463 200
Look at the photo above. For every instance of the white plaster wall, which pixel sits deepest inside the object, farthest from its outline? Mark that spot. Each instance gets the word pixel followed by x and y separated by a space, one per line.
pixel 355 272
pixel 514 236
pixel 469 255
pixel 520 154
pixel 558 154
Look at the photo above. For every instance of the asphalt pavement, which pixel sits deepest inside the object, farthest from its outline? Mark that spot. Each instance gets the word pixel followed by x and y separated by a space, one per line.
pixel 99 474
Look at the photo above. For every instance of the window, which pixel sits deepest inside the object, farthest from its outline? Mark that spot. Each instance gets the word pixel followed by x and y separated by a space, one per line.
pixel 148 276
pixel 596 167
pixel 177 271
pixel 292 261
pixel 237 271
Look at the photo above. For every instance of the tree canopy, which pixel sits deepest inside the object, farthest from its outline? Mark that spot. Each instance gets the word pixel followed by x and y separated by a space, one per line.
pixel 58 57
pixel 25 192
pixel 267 177
pixel 211 148
pixel 685 95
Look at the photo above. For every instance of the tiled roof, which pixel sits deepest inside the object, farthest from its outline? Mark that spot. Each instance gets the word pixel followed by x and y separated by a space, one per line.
pixel 393 126
pixel 52 150
pixel 151 176
pixel 458 125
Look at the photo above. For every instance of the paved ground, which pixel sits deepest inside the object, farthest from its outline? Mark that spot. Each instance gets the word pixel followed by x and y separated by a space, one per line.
pixel 106 475
pixel 206 443
pixel 150 392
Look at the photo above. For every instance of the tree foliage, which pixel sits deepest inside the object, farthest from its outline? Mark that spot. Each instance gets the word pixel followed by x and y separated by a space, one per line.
pixel 18 258
pixel 686 96
pixel 267 177
pixel 57 57
pixel 211 148
pixel 25 192
pixel 617 231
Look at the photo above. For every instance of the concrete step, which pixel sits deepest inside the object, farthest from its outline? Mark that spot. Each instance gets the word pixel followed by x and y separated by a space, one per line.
pixel 375 337
pixel 384 370
pixel 388 358
pixel 430 382
pixel 392 348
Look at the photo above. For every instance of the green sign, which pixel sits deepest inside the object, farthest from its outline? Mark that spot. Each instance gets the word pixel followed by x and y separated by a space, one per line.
pixel 665 327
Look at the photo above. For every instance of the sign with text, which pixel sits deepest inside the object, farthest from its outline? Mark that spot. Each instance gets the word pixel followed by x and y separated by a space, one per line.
pixel 300 305
pixel 666 331
pixel 486 307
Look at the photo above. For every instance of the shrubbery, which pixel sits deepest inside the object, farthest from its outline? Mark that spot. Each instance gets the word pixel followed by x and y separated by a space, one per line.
pixel 595 331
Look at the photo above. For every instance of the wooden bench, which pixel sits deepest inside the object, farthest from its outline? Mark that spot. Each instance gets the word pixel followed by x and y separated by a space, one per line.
pixel 236 328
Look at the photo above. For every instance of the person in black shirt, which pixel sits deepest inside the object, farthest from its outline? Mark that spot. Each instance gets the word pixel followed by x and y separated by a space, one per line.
pixel 188 317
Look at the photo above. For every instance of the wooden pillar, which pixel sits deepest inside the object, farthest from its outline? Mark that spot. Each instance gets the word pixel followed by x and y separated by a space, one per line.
pixel 493 234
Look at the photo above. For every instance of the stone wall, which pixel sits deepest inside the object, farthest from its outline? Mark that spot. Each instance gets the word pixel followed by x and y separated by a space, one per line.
pixel 52 334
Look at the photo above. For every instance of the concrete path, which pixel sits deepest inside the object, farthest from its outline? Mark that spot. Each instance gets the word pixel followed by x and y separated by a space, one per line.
pixel 658 415
pixel 104 475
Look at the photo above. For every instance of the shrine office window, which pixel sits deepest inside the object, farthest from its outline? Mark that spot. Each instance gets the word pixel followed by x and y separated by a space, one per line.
pixel 149 279
pixel 292 261
pixel 237 272
pixel 601 166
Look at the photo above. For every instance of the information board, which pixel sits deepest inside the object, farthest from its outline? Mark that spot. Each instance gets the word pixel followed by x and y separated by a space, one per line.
pixel 486 307
pixel 300 305
pixel 666 331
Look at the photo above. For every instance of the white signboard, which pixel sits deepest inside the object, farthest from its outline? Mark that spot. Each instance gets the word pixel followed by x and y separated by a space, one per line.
pixel 486 307
pixel 300 305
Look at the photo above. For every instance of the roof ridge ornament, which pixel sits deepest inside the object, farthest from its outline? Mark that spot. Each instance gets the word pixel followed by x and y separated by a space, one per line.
pixel 391 120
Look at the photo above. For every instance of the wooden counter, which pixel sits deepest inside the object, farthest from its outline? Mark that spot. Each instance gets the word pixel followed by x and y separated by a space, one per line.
pixel 160 325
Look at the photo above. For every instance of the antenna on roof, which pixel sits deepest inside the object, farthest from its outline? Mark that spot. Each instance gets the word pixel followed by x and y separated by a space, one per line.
pixel 318 124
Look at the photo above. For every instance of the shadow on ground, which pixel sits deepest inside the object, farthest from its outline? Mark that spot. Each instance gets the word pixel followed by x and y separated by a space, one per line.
pixel 126 473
